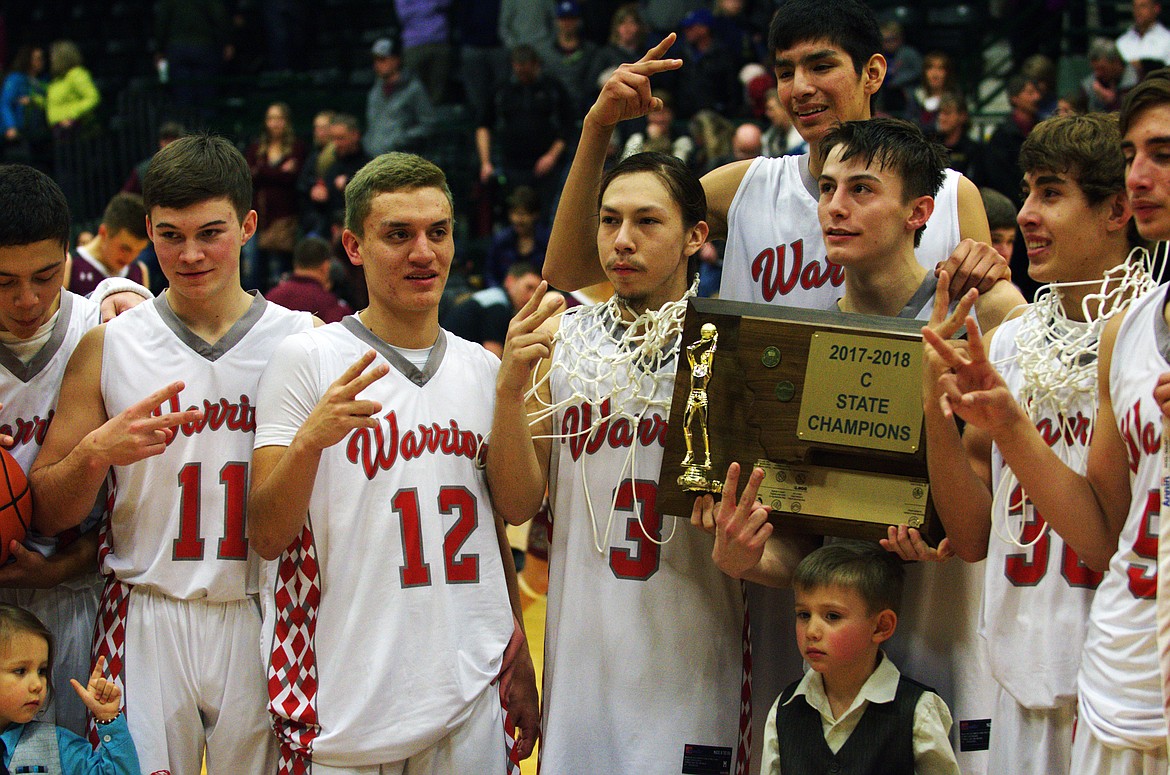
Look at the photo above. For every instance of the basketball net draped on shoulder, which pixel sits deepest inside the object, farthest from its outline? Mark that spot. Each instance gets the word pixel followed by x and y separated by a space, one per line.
pixel 1057 358
pixel 627 376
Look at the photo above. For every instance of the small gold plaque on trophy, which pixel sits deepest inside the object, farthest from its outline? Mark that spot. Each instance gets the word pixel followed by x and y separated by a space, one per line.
pixel 828 404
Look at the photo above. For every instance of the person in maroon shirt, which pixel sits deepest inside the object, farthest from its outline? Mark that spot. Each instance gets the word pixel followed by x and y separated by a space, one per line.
pixel 275 159
pixel 308 287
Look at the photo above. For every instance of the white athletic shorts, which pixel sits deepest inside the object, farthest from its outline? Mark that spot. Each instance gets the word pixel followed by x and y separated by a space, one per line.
pixel 1091 757
pixel 1030 742
pixel 477 746
pixel 192 678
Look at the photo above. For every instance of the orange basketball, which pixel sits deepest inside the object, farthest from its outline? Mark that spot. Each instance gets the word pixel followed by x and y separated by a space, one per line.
pixel 15 503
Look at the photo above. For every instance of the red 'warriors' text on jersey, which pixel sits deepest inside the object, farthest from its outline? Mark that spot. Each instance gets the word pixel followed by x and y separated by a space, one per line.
pixel 1119 686
pixel 388 616
pixel 618 694
pixel 1036 600
pixel 177 522
pixel 776 252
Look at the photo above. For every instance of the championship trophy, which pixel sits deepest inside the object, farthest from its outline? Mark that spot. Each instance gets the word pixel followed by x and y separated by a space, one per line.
pixel 828 404
pixel 700 357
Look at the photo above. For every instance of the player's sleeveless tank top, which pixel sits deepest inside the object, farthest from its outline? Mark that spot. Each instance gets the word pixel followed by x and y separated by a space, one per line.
pixel 178 518
pixel 399 566
pixel 644 643
pixel 1119 686
pixel 29 393
pixel 1036 601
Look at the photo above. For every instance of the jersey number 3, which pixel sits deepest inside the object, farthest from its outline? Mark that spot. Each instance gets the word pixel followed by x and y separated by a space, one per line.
pixel 638 498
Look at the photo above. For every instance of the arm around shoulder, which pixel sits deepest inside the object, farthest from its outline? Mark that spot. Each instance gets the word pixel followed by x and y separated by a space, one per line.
pixel 972 215
pixel 720 186
pixel 998 304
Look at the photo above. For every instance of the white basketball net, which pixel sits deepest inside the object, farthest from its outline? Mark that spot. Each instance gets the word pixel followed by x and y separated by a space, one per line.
pixel 1057 357
pixel 627 376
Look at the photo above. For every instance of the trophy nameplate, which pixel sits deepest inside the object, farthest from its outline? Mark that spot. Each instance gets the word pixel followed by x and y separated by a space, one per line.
pixel 828 404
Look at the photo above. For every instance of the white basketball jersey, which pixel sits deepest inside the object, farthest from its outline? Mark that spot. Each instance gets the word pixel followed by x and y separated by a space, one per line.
pixel 178 519
pixel 1036 600
pixel 389 616
pixel 28 393
pixel 1119 688
pixel 945 652
pixel 644 653
pixel 775 250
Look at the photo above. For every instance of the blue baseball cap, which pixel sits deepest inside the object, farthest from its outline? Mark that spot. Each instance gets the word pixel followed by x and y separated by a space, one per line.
pixel 698 16
pixel 568 8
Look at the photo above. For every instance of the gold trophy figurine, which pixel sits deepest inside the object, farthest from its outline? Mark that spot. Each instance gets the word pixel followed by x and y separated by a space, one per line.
pixel 701 357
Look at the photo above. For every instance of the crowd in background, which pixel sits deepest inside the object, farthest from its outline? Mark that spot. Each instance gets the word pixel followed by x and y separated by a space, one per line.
pixel 519 75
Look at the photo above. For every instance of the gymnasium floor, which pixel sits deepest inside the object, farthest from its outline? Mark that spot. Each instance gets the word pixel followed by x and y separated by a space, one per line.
pixel 533 585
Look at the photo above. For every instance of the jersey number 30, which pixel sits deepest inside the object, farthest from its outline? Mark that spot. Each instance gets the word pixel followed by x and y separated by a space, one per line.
pixel 1024 572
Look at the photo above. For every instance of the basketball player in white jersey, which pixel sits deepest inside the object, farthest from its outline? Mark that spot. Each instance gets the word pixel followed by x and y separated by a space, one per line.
pixel 1037 590
pixel 828 67
pixel 180 622
pixel 389 612
pixel 876 192
pixel 1120 726
pixel 644 653
pixel 40 324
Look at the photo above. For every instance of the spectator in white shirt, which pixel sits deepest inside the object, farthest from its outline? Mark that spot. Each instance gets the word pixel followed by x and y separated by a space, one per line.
pixel 1147 38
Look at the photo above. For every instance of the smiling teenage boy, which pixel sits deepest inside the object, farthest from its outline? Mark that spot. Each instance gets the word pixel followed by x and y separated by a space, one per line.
pixel 877 188
pixel 1120 723
pixel 1036 598
pixel 366 490
pixel 180 622
pixel 828 67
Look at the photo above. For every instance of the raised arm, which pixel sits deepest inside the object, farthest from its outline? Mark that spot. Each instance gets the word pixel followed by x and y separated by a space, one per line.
pixel 283 477
pixel 82 443
pixel 974 263
pixel 517 463
pixel 1087 511
pixel 571 259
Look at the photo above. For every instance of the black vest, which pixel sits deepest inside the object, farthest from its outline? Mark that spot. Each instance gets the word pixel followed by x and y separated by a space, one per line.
pixel 882 743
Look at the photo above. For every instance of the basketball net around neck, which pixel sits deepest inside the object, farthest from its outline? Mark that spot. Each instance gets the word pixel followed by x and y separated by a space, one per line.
pixel 1057 358
pixel 625 377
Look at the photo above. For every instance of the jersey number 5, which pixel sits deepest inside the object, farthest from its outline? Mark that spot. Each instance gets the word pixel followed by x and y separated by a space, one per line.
pixel 1143 578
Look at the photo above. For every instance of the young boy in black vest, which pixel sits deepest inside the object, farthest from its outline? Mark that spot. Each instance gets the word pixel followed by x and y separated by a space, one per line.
pixel 853 708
